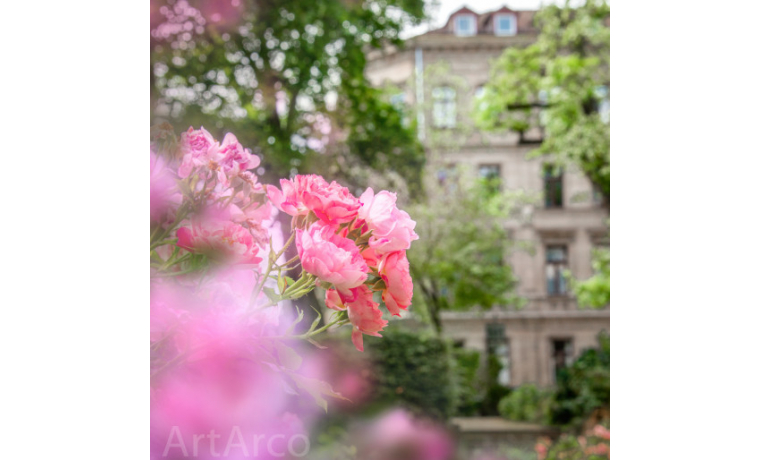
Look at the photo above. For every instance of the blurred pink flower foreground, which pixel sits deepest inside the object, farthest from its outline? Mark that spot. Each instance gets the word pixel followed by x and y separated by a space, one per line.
pixel 228 350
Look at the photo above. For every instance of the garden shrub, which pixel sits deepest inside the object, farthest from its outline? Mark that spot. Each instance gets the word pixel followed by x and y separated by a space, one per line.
pixel 469 382
pixel 494 391
pixel 582 387
pixel 415 370
pixel 594 444
pixel 527 403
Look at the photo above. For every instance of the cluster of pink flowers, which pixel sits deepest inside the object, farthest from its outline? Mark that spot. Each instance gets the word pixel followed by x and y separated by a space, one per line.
pixel 225 215
pixel 398 434
pixel 353 246
pixel 222 328
pixel 202 153
pixel 594 444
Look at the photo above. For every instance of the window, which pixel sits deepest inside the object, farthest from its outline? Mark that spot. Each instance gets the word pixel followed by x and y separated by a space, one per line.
pixel 444 107
pixel 490 174
pixel 505 24
pixel 552 186
pixel 603 103
pixel 597 198
pixel 562 354
pixel 480 100
pixel 398 101
pixel 448 178
pixel 464 25
pixel 497 345
pixel 556 264
pixel 543 101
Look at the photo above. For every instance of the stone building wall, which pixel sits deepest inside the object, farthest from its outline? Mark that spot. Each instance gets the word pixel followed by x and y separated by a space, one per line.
pixel 580 224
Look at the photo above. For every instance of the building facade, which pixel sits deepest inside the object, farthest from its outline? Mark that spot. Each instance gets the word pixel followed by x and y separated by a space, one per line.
pixel 441 73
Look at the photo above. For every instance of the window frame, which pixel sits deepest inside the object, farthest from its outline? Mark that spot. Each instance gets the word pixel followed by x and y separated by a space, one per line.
pixel 444 107
pixel 497 168
pixel 493 342
pixel 568 354
pixel 553 176
pixel 398 101
pixel 559 266
pixel 473 21
pixel 498 31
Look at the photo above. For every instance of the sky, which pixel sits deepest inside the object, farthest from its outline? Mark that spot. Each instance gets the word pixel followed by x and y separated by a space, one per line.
pixel 446 7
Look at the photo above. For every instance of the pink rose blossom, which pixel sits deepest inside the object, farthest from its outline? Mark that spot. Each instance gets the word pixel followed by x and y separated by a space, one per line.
pixel 333 300
pixel 232 159
pixel 372 259
pixel 228 161
pixel 223 241
pixel 394 270
pixel 392 229
pixel 601 432
pixel 599 449
pixel 363 312
pixel 198 148
pixel 220 385
pixel 398 431
pixel 541 451
pixel 330 257
pixel 332 202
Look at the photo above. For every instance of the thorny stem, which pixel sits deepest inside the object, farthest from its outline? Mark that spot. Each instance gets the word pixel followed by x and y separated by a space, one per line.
pixel 270 265
pixel 320 330
pixel 161 243
pixel 311 334
pixel 295 258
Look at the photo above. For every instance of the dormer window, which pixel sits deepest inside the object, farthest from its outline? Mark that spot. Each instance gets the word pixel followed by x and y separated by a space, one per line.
pixel 464 25
pixel 505 24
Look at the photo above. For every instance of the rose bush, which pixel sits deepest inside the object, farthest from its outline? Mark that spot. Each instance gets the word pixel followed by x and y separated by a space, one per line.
pixel 223 328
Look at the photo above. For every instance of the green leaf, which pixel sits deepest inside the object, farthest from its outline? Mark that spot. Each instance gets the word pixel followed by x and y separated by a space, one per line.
pixel 288 357
pixel 271 294
pixel 317 389
pixel 298 319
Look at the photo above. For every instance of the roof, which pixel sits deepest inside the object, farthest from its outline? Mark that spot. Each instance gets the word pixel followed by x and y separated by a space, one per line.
pixel 485 21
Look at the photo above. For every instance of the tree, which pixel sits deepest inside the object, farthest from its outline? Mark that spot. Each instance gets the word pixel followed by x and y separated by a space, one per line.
pixel 595 291
pixel 562 83
pixel 288 74
pixel 459 260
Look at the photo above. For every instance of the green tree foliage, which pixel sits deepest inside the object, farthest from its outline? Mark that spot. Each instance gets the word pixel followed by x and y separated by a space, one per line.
pixel 459 260
pixel 595 291
pixel 278 72
pixel 560 81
